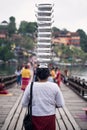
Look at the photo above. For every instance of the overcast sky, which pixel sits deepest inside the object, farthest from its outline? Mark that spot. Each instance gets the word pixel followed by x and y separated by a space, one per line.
pixel 69 14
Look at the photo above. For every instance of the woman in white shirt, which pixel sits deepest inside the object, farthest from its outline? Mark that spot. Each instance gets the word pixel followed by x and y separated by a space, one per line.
pixel 18 74
pixel 46 97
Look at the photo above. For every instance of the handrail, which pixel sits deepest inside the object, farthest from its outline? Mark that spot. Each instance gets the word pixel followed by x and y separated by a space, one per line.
pixel 6 80
pixel 77 84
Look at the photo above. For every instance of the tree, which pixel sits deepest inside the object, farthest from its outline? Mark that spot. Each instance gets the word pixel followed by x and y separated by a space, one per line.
pixel 22 27
pixel 5 51
pixel 31 27
pixel 27 27
pixel 11 26
pixel 55 30
pixel 83 39
pixel 26 42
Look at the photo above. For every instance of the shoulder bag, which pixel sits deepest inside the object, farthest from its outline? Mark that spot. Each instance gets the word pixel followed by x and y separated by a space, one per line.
pixel 27 122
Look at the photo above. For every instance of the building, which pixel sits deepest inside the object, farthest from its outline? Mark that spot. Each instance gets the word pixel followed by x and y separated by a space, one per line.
pixel 69 38
pixel 44 21
pixel 3 30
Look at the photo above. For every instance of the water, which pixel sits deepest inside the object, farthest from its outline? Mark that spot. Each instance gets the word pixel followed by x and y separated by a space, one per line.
pixel 80 71
pixel 7 69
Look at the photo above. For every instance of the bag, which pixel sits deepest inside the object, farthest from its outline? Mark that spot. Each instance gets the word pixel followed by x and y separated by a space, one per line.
pixel 27 122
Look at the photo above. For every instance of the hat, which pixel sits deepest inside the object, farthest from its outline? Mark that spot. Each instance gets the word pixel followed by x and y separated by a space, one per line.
pixel 43 66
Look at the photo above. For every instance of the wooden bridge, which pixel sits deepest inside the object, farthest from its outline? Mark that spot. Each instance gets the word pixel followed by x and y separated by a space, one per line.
pixel 7 80
pixel 78 85
pixel 71 117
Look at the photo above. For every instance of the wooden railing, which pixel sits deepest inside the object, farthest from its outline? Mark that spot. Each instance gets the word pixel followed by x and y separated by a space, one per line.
pixel 6 80
pixel 79 85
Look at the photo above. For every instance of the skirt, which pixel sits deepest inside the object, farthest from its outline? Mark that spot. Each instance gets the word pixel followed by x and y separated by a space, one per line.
pixel 44 122
pixel 25 82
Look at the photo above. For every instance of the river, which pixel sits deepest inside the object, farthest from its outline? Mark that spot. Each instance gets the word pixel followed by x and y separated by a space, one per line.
pixel 7 69
pixel 80 71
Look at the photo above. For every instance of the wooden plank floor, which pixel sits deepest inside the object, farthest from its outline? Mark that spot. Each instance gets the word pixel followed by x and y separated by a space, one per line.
pixel 65 121
pixel 73 102
pixel 7 103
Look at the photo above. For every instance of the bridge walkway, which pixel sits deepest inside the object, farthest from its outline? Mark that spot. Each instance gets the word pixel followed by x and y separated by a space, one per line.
pixel 75 105
pixel 72 117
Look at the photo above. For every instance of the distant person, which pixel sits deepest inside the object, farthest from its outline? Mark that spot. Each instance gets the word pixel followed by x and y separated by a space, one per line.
pixel 50 78
pixel 18 73
pixel 58 76
pixel 26 76
pixel 2 88
pixel 35 72
pixel 53 73
pixel 66 74
pixel 46 97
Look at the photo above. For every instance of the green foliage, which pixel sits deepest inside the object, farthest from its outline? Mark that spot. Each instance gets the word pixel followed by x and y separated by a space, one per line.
pixel 70 54
pixel 66 52
pixel 22 27
pixel 5 51
pixel 55 29
pixel 31 27
pixel 11 26
pixel 26 42
pixel 3 27
pixel 27 27
pixel 83 39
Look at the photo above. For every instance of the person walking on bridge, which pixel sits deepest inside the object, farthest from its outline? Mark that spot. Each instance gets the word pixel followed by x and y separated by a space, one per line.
pixel 58 76
pixel 18 74
pixel 46 97
pixel 53 73
pixel 26 75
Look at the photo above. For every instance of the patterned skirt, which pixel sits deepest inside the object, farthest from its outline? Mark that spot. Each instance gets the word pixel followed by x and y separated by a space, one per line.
pixel 25 82
pixel 44 122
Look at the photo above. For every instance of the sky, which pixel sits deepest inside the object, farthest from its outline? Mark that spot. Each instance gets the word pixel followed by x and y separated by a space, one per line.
pixel 68 14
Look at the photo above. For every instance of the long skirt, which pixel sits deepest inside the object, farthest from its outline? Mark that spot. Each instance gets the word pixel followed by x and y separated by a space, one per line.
pixel 59 82
pixel 25 82
pixel 44 122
